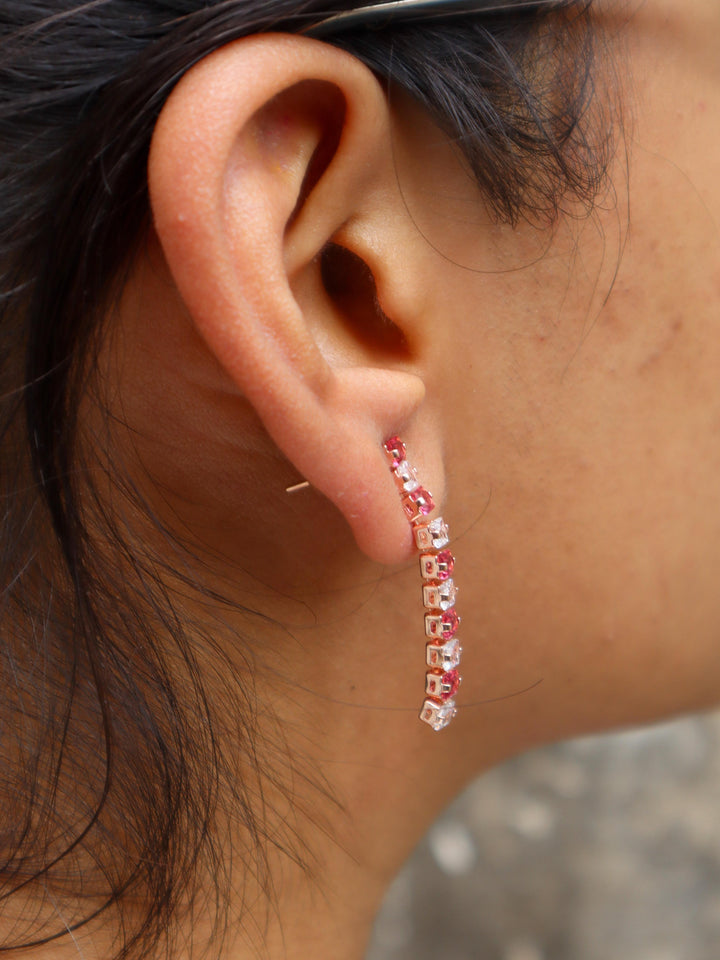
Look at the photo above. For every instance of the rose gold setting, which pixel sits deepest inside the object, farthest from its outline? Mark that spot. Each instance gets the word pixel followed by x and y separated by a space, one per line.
pixel 437 564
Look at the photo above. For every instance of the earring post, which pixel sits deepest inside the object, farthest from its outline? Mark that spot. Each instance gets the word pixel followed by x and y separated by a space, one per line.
pixel 296 488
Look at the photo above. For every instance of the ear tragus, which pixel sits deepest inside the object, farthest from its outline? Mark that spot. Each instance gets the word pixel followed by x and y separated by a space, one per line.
pixel 350 284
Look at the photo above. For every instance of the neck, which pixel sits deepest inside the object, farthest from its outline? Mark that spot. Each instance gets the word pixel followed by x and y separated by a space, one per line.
pixel 349 780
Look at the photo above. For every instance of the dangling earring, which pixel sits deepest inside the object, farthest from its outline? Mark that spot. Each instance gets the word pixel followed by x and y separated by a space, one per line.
pixel 442 648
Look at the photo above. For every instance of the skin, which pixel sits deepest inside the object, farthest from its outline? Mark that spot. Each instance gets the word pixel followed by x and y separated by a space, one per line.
pixel 557 389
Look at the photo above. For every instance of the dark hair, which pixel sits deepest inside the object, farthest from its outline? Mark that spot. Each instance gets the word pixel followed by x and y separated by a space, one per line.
pixel 110 765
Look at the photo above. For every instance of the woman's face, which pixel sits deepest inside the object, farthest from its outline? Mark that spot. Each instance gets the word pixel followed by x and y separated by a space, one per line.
pixel 583 414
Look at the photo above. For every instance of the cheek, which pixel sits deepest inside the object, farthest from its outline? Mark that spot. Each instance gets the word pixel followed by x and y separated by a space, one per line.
pixel 588 489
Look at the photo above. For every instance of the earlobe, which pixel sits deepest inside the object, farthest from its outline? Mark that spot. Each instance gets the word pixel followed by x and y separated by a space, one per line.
pixel 263 154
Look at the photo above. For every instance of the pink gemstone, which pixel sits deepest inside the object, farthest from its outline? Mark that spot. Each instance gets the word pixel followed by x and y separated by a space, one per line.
pixel 450 623
pixel 446 564
pixel 395 449
pixel 450 684
pixel 439 531
pixel 423 500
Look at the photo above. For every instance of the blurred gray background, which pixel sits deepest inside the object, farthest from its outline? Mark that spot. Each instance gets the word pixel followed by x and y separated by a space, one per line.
pixel 605 848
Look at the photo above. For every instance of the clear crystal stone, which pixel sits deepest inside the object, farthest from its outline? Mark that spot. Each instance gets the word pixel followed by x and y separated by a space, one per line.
pixel 433 535
pixel 407 475
pixel 444 656
pixel 447 593
pixel 438 715
pixel 439 532
pixel 439 596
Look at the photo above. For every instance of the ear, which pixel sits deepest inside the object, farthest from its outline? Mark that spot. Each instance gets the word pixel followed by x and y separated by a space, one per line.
pixel 267 151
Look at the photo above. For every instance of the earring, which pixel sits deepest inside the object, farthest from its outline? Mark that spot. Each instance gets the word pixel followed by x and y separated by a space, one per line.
pixel 442 648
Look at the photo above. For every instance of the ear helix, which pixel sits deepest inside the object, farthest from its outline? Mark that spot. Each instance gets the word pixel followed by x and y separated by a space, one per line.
pixel 442 648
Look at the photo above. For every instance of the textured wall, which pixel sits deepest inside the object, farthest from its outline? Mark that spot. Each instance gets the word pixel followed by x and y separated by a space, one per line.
pixel 607 848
